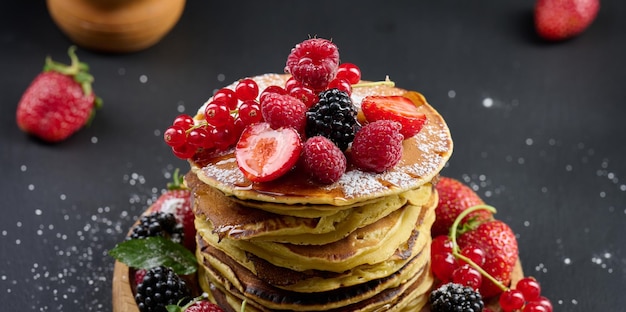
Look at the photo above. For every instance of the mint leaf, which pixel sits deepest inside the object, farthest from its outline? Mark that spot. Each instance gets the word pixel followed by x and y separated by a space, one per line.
pixel 173 308
pixel 154 251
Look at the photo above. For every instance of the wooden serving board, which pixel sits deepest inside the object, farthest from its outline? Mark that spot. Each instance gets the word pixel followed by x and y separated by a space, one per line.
pixel 124 301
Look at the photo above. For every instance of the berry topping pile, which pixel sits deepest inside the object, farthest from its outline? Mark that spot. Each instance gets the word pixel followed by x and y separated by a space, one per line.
pixel 478 251
pixel 268 128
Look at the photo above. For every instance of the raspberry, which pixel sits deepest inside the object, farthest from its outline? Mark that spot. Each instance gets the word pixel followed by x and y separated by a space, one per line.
pixel 377 147
pixel 323 160
pixel 313 63
pixel 158 224
pixel 455 297
pixel 160 287
pixel 203 306
pixel 334 117
pixel 281 111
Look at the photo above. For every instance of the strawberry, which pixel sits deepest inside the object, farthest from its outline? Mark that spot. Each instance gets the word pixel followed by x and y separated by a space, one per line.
pixel 59 101
pixel 454 197
pixel 396 108
pixel 498 242
pixel 562 19
pixel 264 154
pixel 177 201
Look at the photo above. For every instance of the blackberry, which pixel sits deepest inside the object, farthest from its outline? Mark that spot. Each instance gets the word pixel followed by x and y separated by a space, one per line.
pixel 453 297
pixel 333 117
pixel 158 224
pixel 161 287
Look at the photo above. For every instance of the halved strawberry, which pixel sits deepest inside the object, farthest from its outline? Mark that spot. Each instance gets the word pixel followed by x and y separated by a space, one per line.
pixel 396 108
pixel 264 154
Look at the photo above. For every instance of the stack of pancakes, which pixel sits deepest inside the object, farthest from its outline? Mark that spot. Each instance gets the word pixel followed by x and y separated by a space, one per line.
pixel 360 244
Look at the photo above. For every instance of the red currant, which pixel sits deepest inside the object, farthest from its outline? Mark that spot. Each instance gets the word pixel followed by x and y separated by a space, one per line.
pixel 349 72
pixel 292 83
pixel 175 136
pixel 530 288
pixel 441 245
pixel 200 138
pixel 225 136
pixel 217 114
pixel 474 253
pixel 226 96
pixel 341 84
pixel 546 303
pixel 442 266
pixel 271 89
pixel 247 89
pixel 304 94
pixel 184 151
pixel 250 112
pixel 467 276
pixel 512 299
pixel 534 306
pixel 184 121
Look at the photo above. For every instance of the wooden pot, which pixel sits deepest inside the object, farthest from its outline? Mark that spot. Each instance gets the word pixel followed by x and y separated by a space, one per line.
pixel 116 26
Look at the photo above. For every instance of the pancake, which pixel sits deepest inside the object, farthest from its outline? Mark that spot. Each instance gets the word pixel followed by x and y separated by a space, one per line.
pixel 231 278
pixel 316 280
pixel 234 220
pixel 424 156
pixel 368 245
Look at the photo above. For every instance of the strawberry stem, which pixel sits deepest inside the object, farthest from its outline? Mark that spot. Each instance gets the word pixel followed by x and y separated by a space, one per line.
pixel 386 82
pixel 177 182
pixel 455 247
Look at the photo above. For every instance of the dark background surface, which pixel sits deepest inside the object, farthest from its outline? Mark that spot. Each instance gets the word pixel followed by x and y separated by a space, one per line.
pixel 539 131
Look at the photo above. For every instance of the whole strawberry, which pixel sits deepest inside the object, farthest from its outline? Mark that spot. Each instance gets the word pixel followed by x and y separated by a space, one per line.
pixel 562 19
pixel 59 101
pixel 177 201
pixel 454 197
pixel 498 242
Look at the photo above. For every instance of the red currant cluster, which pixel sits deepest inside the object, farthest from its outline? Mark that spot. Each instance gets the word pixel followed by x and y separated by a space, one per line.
pixel 447 268
pixel 525 297
pixel 225 117
pixel 230 111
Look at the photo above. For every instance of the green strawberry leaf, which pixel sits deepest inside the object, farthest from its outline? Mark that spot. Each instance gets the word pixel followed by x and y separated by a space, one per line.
pixel 154 251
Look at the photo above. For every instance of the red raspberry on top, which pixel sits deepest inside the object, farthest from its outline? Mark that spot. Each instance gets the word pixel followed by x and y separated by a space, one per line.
pixel 377 147
pixel 323 160
pixel 282 110
pixel 313 63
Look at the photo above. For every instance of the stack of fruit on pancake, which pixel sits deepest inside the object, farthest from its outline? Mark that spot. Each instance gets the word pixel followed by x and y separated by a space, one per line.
pixel 316 191
pixel 319 208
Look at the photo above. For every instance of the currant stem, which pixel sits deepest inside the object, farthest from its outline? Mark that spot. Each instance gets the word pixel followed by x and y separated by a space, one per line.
pixel 386 82
pixel 455 247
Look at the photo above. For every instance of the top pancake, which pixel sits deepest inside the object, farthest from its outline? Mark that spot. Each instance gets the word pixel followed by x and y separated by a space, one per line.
pixel 424 156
